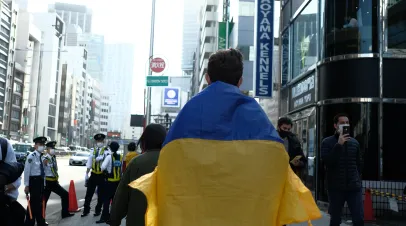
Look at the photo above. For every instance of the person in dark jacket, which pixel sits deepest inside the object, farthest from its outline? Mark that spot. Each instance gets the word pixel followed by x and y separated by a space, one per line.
pixel 342 157
pixel 293 146
pixel 131 202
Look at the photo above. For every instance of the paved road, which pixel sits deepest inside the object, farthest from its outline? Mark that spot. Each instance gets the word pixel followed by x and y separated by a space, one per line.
pixel 66 174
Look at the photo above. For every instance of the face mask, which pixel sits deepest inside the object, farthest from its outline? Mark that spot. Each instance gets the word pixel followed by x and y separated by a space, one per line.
pixel 52 152
pixel 284 133
pixel 99 145
pixel 41 149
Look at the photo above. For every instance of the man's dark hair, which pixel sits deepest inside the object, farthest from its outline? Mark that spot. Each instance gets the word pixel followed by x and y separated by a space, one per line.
pixel 284 121
pixel 132 146
pixel 226 66
pixel 338 116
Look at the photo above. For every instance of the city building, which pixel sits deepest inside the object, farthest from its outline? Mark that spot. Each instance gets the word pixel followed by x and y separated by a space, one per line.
pixel 104 114
pixel 73 14
pixel 65 122
pixel 117 83
pixel 8 85
pixel 78 111
pixel 191 30
pixel 346 56
pixel 47 101
pixel 94 45
pixel 28 48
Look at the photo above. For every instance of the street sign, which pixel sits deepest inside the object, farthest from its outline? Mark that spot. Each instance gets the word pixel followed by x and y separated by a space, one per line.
pixel 157 80
pixel 171 97
pixel 157 65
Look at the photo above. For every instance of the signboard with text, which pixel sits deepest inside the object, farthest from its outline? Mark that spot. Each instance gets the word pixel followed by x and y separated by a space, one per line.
pixel 157 80
pixel 302 93
pixel 264 41
pixel 171 97
pixel 157 65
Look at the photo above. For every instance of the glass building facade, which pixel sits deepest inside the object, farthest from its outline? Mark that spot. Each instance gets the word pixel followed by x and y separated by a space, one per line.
pixel 347 56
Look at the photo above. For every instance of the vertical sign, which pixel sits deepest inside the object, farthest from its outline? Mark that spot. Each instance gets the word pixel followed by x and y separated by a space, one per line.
pixel 171 97
pixel 222 35
pixel 264 41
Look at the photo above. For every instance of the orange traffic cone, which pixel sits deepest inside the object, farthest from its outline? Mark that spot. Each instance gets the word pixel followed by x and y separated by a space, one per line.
pixel 73 202
pixel 368 209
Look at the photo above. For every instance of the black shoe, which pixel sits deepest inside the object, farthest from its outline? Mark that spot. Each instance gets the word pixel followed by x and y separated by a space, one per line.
pixel 101 221
pixel 84 214
pixel 67 215
pixel 96 214
pixel 46 223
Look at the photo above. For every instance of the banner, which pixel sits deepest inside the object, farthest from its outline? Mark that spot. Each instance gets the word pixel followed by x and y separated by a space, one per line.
pixel 264 41
pixel 171 97
pixel 222 34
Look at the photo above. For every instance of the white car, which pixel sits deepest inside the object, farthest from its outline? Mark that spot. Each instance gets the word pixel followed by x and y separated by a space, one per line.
pixel 79 158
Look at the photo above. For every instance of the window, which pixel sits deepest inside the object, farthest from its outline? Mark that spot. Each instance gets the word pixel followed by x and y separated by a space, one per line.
pixel 247 8
pixel 247 52
pixel 15 114
pixel 17 100
pixel 285 57
pixel 14 127
pixel 17 88
pixel 351 27
pixel 305 39
pixel 286 14
pixel 396 11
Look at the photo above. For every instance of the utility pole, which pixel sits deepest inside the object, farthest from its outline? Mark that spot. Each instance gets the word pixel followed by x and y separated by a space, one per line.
pixel 226 5
pixel 10 107
pixel 151 54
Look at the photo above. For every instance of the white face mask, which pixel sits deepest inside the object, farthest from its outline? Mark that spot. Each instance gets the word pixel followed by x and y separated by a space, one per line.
pixel 52 151
pixel 99 144
pixel 41 149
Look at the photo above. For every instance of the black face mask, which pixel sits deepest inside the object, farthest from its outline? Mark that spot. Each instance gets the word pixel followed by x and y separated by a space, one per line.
pixel 284 134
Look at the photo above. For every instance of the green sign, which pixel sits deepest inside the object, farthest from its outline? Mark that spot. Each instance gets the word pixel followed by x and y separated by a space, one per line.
pixel 157 80
pixel 222 34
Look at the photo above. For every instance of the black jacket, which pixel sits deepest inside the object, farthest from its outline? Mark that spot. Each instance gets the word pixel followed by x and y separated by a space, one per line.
pixel 343 164
pixel 295 149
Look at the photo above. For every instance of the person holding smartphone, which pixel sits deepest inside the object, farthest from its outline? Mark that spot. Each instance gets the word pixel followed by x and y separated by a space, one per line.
pixel 342 157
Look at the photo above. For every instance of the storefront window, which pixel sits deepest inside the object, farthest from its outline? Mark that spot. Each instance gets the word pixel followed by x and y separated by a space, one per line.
pixel 322 16
pixel 285 57
pixel 351 27
pixel 364 128
pixel 396 24
pixel 305 39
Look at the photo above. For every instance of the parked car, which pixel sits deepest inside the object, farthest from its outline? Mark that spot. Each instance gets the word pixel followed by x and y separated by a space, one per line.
pixel 79 158
pixel 22 150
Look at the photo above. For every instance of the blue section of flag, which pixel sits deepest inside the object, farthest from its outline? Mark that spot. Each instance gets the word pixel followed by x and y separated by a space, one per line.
pixel 222 112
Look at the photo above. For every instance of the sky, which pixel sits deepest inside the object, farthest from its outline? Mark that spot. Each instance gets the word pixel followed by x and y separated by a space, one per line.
pixel 129 21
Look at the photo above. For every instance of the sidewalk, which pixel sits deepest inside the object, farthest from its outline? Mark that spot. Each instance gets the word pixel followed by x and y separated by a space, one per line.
pixel 324 221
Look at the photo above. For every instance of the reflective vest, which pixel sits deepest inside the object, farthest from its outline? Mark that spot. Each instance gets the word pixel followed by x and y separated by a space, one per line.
pixel 54 169
pixel 96 166
pixel 115 174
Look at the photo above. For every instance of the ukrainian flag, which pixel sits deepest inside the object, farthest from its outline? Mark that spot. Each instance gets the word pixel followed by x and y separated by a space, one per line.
pixel 223 164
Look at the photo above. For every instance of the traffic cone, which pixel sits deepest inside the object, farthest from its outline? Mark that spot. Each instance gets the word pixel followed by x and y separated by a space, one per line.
pixel 368 209
pixel 73 202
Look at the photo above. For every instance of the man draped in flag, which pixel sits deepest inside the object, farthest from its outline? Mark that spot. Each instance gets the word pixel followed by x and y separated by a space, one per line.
pixel 223 163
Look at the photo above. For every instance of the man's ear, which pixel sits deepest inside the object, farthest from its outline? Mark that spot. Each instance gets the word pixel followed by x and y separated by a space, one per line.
pixel 239 82
pixel 208 79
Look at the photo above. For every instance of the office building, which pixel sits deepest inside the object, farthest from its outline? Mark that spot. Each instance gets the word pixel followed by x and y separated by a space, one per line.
pixel 191 30
pixel 73 14
pixel 47 103
pixel 117 83
pixel 28 53
pixel 94 45
pixel 104 114
pixel 345 56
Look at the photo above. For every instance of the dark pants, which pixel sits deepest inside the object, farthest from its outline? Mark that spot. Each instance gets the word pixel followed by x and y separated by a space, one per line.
pixel 36 196
pixel 354 202
pixel 95 180
pixel 53 186
pixel 14 212
pixel 108 194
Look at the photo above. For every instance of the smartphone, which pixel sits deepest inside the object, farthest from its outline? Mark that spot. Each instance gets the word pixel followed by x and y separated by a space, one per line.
pixel 346 130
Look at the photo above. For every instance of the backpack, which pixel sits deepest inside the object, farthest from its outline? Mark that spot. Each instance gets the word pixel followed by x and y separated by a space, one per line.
pixel 11 171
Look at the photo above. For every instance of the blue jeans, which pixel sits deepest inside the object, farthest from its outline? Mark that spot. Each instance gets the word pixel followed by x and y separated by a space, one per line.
pixel 354 202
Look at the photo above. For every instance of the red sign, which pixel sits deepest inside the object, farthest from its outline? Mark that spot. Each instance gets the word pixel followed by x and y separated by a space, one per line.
pixel 157 65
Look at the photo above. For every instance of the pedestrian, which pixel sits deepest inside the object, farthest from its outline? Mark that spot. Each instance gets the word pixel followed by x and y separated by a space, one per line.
pixel 52 179
pixel 130 155
pixel 223 163
pixel 297 159
pixel 97 178
pixel 130 202
pixel 342 156
pixel 34 180
pixel 13 212
pixel 112 166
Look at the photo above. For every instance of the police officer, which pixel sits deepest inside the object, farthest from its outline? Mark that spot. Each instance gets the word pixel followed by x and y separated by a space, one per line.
pixel 96 178
pixel 112 168
pixel 51 179
pixel 34 179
